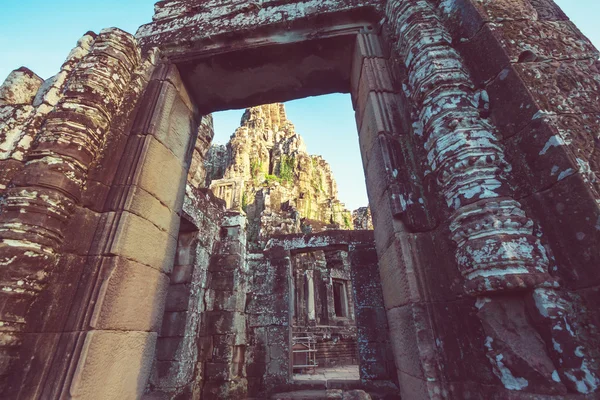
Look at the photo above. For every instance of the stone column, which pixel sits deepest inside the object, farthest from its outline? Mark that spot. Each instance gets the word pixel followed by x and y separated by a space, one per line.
pixel 498 247
pixel 310 303
pixel 41 201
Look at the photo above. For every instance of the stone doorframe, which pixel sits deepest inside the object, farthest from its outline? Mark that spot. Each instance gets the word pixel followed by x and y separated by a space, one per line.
pixel 376 365
pixel 141 225
pixel 418 106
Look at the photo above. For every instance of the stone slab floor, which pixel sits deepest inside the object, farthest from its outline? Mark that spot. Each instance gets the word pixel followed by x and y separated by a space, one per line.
pixel 343 373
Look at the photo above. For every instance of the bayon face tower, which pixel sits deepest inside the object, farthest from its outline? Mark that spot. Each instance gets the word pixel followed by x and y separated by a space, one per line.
pixel 124 276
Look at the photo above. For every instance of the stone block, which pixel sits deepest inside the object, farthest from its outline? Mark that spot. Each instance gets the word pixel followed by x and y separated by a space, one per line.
pixel 178 297
pixel 205 347
pixel 217 371
pixel 182 274
pixel 398 279
pixel 518 95
pixel 169 119
pixel 223 262
pixel 95 195
pixel 172 374
pixel 551 149
pixel 170 349
pixel 419 267
pixel 379 113
pixel 374 77
pixel 139 202
pixel 174 324
pixel 131 296
pixel 407 325
pixel 80 231
pixel 51 309
pixel 372 324
pixel 222 280
pixel 104 172
pixel 114 365
pixel 378 169
pixel 497 45
pixel 374 370
pixel 20 87
pixel 412 387
pixel 222 348
pixel 170 73
pixel 37 351
pixel 140 240
pixel 459 336
pixel 469 16
pixel 569 216
pixel 256 370
pixel 367 46
pixel 162 174
pixel 219 322
pixel 229 300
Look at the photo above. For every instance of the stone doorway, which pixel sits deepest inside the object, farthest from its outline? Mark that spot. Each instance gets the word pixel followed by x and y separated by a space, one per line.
pixel 486 208
pixel 324 336
pixel 329 345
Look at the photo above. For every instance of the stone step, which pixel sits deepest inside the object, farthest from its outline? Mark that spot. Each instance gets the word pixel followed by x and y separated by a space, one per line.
pixel 329 394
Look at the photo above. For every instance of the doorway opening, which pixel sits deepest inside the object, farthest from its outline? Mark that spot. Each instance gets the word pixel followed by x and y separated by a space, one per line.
pixel 324 333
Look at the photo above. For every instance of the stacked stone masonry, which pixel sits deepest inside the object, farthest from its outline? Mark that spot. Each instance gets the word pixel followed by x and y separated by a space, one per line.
pixel 122 276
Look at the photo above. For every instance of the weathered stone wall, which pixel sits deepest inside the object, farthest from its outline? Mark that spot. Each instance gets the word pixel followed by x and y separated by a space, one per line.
pixel 268 312
pixel 25 102
pixel 180 350
pixel 83 113
pixel 498 245
pixel 198 174
pixel 223 324
pixel 179 23
pixel 376 360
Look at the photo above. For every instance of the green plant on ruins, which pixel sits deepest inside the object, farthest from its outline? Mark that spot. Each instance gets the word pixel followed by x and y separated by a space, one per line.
pixel 255 167
pixel 244 201
pixel 272 178
pixel 347 221
pixel 286 169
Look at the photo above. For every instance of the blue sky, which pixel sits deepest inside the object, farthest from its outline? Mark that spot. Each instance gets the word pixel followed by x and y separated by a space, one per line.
pixel 39 34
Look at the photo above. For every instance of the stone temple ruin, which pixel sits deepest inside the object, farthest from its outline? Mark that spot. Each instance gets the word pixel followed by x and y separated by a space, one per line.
pixel 479 122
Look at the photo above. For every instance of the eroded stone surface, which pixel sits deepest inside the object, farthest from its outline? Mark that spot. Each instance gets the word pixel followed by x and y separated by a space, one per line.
pixel 486 107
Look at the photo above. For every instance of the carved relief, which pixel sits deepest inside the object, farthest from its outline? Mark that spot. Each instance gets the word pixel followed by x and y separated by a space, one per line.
pixel 497 248
pixel 41 201
pixel 548 10
pixel 465 156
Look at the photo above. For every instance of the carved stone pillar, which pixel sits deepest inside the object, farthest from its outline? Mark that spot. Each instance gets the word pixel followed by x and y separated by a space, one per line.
pixel 41 201
pixel 310 304
pixel 498 247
